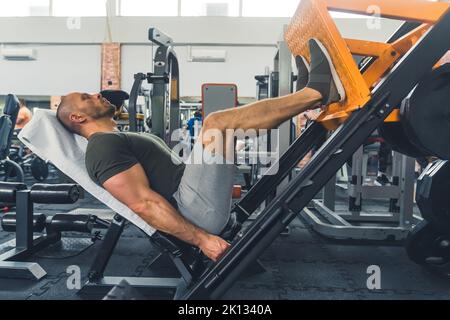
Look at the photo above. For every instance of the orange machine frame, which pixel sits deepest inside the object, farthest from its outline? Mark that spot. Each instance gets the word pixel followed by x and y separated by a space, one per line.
pixel 312 20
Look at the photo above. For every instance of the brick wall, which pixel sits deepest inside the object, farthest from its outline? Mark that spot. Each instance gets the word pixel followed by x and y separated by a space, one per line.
pixel 111 66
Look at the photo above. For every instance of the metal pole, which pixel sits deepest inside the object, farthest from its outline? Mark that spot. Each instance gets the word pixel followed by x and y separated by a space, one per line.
pixel 24 220
pixel 407 191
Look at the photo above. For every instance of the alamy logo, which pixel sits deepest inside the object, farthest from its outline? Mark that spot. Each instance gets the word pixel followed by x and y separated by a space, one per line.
pixel 73 23
pixel 374 22
pixel 74 279
pixel 250 147
pixel 374 280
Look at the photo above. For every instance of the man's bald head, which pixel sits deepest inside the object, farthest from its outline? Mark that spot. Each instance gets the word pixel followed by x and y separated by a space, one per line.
pixel 78 110
pixel 63 113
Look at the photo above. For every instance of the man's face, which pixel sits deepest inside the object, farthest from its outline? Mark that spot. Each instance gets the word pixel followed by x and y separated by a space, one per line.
pixel 93 106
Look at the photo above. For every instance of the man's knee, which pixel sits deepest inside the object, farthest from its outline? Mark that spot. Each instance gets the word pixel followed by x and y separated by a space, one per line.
pixel 214 121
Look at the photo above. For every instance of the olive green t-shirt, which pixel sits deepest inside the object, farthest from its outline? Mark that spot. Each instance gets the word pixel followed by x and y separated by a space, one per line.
pixel 109 154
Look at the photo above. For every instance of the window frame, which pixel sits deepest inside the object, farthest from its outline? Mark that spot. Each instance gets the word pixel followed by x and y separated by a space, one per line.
pixel 239 11
pixel 118 9
pixel 26 16
pixel 90 16
pixel 250 16
pixel 115 7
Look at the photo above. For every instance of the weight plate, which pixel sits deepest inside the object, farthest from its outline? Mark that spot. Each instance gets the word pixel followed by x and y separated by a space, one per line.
pixel 10 171
pixel 429 248
pixel 425 115
pixel 394 135
pixel 39 169
pixel 419 243
pixel 423 243
pixel 432 195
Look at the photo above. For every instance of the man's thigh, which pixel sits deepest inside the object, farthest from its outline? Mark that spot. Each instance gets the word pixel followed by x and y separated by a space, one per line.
pixel 205 193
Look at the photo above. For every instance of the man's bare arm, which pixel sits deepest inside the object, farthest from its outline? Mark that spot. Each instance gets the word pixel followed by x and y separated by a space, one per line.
pixel 132 188
pixel 21 119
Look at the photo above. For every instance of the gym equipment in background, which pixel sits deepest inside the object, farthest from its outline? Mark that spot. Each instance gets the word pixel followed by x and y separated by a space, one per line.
pixel 424 117
pixel 11 170
pixel 24 223
pixel 425 114
pixel 262 87
pixel 362 223
pixel 165 94
pixel 218 96
pixel 16 160
pixel 28 161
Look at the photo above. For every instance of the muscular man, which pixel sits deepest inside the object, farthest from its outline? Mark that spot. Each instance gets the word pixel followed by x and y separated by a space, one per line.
pixel 189 201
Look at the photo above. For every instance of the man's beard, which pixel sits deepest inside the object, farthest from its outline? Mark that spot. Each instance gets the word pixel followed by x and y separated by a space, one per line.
pixel 107 113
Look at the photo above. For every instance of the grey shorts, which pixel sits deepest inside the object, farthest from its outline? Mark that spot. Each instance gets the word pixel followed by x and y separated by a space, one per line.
pixel 204 195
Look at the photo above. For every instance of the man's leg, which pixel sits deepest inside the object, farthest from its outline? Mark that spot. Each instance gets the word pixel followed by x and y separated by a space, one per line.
pixel 324 87
pixel 265 114
pixel 204 194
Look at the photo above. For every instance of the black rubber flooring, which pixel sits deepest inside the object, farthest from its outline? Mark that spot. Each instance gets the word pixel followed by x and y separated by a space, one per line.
pixel 301 265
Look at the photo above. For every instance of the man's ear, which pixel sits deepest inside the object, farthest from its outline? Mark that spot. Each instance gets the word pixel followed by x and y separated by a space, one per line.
pixel 77 118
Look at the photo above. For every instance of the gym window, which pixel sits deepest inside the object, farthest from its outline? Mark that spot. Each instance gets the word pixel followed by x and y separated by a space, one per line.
pixel 155 8
pixel 211 8
pixel 344 15
pixel 269 8
pixel 24 8
pixel 79 8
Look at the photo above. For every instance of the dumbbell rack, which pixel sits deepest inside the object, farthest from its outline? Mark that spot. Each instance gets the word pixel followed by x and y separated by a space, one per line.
pixel 25 244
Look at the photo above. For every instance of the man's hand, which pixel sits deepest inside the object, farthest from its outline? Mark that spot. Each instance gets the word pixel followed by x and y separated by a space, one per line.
pixel 213 247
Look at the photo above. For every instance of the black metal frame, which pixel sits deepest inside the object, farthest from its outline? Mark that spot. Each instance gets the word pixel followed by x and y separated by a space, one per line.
pixel 98 285
pixel 8 120
pixel 132 105
pixel 165 113
pixel 327 161
pixel 165 79
pixel 12 262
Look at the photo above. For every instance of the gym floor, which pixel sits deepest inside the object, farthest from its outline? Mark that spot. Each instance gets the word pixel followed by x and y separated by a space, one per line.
pixel 301 265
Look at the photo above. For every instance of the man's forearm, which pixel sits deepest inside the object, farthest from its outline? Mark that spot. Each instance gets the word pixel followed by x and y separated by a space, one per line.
pixel 131 187
pixel 161 215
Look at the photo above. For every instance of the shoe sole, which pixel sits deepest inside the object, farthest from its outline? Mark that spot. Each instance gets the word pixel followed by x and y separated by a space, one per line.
pixel 305 62
pixel 334 74
pixel 306 66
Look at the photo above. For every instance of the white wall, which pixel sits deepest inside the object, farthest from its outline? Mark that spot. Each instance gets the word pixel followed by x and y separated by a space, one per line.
pixel 57 70
pixel 135 29
pixel 243 63
pixel 69 59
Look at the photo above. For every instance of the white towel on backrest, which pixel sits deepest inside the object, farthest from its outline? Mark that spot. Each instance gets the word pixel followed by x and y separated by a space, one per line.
pixel 49 140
